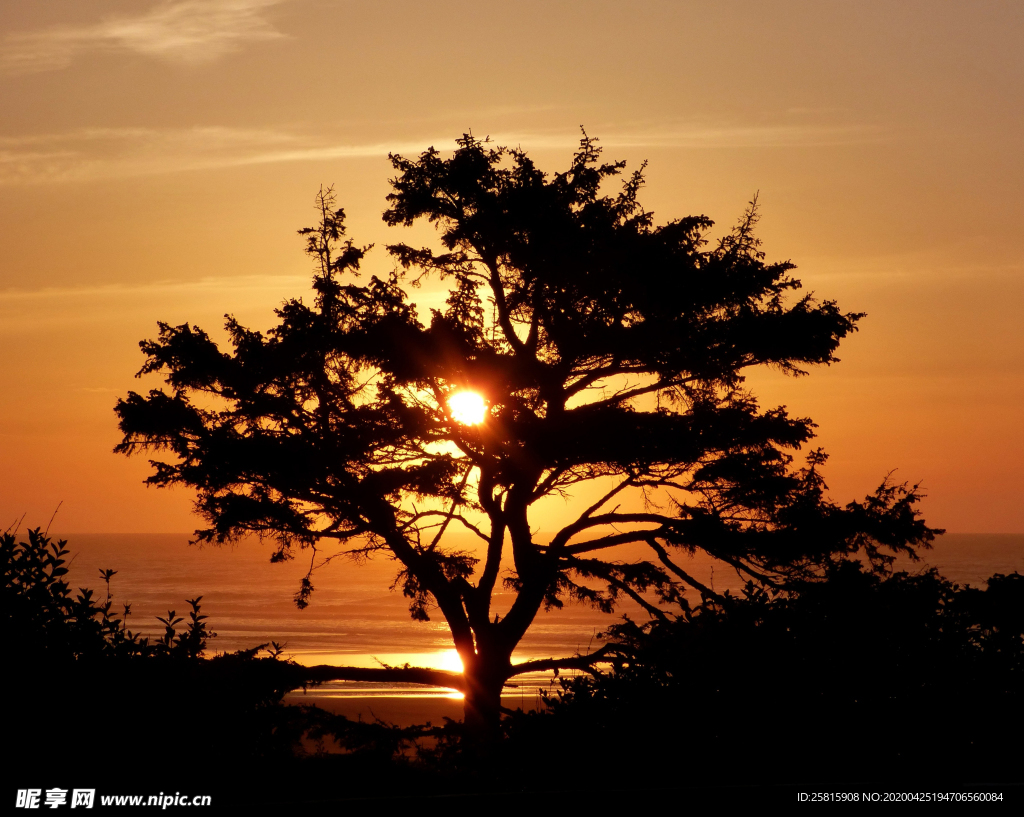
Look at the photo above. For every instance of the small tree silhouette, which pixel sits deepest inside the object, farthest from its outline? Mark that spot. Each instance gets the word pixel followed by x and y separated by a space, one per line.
pixel 608 350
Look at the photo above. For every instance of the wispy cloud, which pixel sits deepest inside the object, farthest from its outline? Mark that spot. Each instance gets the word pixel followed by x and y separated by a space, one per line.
pixel 752 136
pixel 94 153
pixel 187 31
pixel 157 289
pixel 708 135
pixel 32 309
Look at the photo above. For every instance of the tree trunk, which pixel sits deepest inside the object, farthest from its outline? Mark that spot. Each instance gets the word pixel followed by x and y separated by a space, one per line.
pixel 484 681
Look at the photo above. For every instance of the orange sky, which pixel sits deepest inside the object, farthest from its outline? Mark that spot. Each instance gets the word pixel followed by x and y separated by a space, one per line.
pixel 156 159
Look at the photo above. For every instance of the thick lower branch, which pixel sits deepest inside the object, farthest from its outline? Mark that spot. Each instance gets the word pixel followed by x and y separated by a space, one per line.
pixel 583 662
pixel 392 675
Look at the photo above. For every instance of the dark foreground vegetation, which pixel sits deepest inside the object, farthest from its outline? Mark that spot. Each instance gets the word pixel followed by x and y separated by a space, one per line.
pixel 863 678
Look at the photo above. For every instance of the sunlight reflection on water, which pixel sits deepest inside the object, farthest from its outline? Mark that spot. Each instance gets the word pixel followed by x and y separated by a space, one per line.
pixel 354 619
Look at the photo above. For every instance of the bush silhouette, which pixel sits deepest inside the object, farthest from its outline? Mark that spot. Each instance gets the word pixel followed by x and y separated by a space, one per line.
pixel 863 677
pixel 78 678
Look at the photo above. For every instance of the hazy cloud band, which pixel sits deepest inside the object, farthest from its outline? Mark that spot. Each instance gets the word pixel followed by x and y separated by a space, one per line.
pixel 188 31
pixel 111 153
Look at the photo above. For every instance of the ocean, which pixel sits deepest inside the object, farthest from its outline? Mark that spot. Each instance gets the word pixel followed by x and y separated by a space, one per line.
pixel 355 619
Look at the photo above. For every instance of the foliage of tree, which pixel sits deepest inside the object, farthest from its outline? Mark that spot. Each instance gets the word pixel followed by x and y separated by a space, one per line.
pixel 611 352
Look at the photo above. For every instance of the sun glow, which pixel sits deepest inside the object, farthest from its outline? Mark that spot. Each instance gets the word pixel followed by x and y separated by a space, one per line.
pixel 449 660
pixel 467 408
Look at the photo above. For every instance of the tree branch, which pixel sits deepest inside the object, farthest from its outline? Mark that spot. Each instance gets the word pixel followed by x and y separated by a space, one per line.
pixel 682 574
pixel 565 534
pixel 625 538
pixel 652 610
pixel 742 567
pixel 391 675
pixel 504 319
pixel 597 505
pixel 457 517
pixel 496 541
pixel 583 662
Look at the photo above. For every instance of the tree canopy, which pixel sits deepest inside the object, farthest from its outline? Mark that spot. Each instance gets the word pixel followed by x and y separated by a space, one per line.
pixel 607 349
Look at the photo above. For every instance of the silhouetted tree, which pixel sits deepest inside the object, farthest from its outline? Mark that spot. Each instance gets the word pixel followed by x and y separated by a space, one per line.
pixel 609 350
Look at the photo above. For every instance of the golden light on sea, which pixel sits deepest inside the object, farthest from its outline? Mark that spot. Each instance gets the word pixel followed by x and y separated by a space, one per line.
pixel 467 408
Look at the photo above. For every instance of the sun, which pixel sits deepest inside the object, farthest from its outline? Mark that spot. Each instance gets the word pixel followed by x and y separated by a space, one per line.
pixel 467 408
pixel 449 660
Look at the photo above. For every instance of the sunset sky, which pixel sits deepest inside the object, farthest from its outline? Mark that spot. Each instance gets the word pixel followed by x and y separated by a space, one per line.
pixel 157 158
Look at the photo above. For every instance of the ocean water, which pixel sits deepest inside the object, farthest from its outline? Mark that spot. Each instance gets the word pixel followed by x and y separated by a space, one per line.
pixel 356 619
